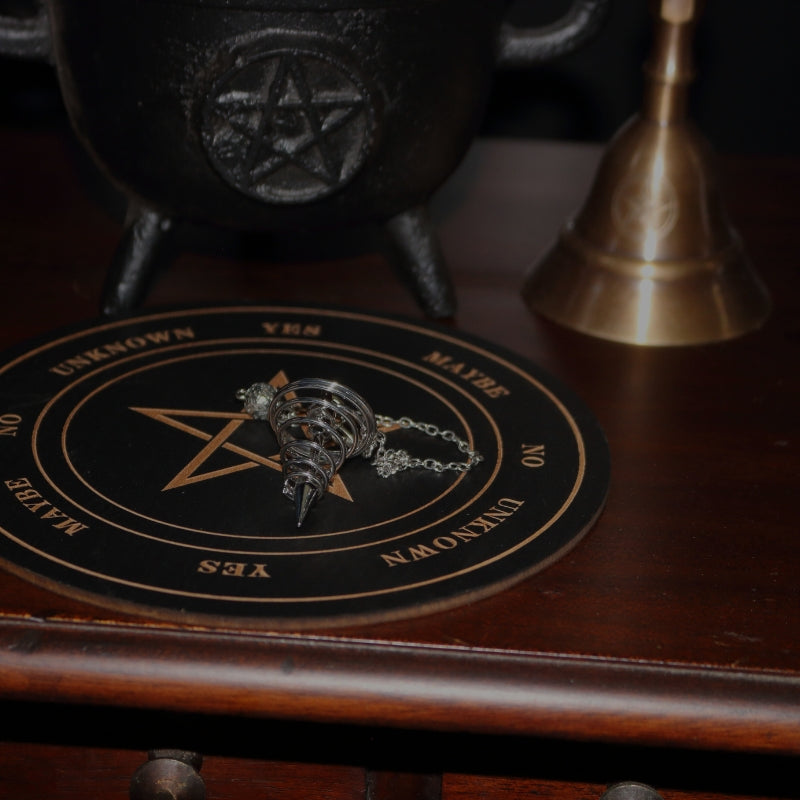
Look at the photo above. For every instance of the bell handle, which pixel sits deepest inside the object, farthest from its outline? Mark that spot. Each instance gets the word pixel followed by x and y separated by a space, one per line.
pixel 522 47
pixel 25 37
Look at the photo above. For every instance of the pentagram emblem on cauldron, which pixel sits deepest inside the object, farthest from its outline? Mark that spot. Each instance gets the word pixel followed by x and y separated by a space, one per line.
pixel 288 126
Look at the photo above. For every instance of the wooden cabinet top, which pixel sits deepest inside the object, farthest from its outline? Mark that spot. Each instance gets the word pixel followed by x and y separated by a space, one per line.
pixel 675 620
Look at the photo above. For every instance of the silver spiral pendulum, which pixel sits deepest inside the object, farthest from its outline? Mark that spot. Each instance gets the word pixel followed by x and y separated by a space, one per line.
pixel 319 424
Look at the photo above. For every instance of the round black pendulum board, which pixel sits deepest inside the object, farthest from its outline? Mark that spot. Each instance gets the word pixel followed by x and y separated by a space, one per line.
pixel 132 478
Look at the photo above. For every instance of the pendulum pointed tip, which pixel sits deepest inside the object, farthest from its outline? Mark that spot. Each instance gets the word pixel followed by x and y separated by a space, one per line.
pixel 304 497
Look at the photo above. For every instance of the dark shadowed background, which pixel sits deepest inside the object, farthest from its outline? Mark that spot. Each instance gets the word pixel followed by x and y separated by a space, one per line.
pixel 744 98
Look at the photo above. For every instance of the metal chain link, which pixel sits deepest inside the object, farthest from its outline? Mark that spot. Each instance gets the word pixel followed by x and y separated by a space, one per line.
pixel 258 399
pixel 389 461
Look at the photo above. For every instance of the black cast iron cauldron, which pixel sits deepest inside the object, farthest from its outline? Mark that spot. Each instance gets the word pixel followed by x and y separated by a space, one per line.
pixel 282 115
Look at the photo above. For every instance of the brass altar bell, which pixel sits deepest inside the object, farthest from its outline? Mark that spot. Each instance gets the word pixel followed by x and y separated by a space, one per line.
pixel 652 258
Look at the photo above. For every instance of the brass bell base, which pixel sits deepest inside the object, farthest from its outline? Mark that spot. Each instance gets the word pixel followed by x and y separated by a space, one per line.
pixel 680 302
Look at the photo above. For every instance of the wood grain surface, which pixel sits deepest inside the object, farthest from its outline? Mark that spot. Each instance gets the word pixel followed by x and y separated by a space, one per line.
pixel 674 622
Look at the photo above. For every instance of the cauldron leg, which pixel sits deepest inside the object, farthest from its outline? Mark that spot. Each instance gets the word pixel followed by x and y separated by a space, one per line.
pixel 419 261
pixel 136 259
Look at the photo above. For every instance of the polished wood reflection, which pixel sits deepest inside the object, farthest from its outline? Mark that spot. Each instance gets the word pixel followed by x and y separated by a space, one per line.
pixel 674 622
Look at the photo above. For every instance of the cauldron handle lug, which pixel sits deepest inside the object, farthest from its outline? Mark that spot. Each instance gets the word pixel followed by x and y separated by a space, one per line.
pixel 417 257
pixel 26 37
pixel 523 47
pixel 140 252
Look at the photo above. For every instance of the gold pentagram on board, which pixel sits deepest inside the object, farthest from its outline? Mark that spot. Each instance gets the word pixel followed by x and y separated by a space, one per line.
pixel 188 421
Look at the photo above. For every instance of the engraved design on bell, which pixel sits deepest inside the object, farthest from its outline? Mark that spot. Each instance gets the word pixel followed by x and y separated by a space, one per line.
pixel 640 203
pixel 288 125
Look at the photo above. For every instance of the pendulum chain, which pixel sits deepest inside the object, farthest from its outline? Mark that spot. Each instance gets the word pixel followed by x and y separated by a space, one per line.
pixel 389 461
